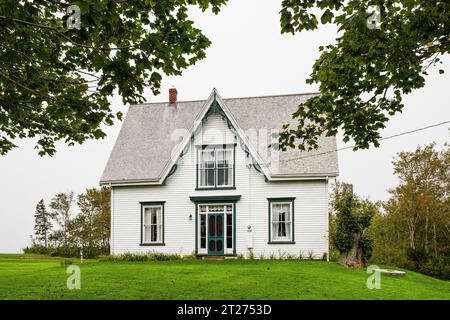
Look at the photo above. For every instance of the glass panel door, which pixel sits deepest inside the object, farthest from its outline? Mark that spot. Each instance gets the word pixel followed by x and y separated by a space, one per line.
pixel 215 234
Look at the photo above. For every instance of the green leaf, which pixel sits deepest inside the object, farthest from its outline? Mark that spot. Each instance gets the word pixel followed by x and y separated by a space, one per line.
pixel 327 16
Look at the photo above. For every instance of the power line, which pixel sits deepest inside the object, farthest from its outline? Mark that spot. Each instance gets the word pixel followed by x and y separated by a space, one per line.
pixel 383 138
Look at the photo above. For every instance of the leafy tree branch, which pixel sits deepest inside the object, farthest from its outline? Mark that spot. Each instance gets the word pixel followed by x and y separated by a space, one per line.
pixel 382 63
pixel 55 82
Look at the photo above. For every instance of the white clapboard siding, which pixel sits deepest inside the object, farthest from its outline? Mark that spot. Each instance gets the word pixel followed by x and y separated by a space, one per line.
pixel 311 207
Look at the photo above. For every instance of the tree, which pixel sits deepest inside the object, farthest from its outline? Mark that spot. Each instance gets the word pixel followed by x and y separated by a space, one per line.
pixel 95 215
pixel 422 199
pixel 414 231
pixel 42 223
pixel 61 206
pixel 56 75
pixel 364 74
pixel 353 217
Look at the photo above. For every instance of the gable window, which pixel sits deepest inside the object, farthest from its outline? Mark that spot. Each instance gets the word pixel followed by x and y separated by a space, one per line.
pixel 281 220
pixel 152 223
pixel 215 168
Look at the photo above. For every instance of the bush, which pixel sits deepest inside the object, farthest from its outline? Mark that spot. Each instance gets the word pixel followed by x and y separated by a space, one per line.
pixel 429 264
pixel 37 250
pixel 69 252
pixel 65 252
pixel 438 267
pixel 417 257
pixel 142 257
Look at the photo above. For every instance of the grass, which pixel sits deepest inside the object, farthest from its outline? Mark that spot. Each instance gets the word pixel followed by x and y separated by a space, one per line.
pixel 41 277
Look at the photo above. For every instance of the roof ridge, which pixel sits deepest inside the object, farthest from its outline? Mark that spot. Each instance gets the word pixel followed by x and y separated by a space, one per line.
pixel 274 95
pixel 234 98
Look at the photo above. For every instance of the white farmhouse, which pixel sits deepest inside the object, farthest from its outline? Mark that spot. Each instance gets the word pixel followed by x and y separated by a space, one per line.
pixel 205 177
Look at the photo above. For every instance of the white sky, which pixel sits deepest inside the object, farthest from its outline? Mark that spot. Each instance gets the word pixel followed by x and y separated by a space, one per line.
pixel 248 57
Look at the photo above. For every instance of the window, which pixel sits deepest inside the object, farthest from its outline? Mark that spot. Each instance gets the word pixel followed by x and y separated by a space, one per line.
pixel 224 167
pixel 152 223
pixel 216 167
pixel 229 228
pixel 281 220
pixel 203 227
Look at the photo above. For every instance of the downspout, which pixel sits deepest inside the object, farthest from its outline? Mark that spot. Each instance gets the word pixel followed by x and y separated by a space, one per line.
pixel 249 239
pixel 328 220
pixel 111 241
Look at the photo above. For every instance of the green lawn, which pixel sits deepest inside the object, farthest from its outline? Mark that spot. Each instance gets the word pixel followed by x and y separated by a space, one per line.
pixel 38 277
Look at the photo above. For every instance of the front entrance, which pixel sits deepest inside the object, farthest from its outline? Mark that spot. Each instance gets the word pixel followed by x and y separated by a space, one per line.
pixel 215 234
pixel 215 228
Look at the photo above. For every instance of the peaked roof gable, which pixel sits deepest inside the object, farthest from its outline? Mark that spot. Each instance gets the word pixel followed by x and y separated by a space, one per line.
pixel 215 105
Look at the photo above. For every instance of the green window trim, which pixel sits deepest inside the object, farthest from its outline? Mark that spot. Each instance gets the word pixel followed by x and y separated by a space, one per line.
pixel 163 224
pixel 215 187
pixel 290 200
pixel 212 199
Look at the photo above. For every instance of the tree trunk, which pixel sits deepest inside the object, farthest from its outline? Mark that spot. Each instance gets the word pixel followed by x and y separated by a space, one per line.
pixel 353 258
pixel 435 240
pixel 412 238
pixel 426 235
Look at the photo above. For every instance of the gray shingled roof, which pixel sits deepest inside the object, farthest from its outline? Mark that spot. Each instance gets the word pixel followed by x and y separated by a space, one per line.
pixel 143 147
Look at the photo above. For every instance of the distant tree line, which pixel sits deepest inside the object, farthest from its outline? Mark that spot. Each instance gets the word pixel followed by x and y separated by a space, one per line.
pixel 411 229
pixel 60 232
pixel 414 229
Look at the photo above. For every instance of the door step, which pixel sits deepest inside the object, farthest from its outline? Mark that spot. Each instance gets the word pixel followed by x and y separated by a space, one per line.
pixel 213 257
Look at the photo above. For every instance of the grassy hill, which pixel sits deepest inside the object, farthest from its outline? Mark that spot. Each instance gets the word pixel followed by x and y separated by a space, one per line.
pixel 40 277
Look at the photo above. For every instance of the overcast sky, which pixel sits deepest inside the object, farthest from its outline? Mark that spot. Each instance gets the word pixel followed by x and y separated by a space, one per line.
pixel 248 57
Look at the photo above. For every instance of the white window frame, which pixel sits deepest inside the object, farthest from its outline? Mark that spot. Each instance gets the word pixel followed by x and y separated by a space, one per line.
pixel 231 166
pixel 160 239
pixel 275 239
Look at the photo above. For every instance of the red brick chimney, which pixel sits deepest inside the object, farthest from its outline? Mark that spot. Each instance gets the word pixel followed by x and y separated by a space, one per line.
pixel 173 95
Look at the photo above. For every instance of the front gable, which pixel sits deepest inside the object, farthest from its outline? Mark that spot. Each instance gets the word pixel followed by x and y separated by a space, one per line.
pixel 216 126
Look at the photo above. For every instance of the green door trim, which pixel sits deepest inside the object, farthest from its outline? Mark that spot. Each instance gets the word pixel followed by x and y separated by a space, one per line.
pixel 215 199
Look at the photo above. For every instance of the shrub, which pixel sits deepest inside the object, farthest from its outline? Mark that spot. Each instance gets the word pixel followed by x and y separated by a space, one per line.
pixel 334 255
pixel 36 249
pixel 65 252
pixel 429 264
pixel 417 257
pixel 141 257
pixel 69 252
pixel 438 267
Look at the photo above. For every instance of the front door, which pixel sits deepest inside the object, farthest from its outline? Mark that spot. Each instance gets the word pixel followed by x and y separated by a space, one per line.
pixel 215 233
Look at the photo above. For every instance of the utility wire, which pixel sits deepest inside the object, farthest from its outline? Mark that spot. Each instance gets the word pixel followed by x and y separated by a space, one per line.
pixel 384 138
